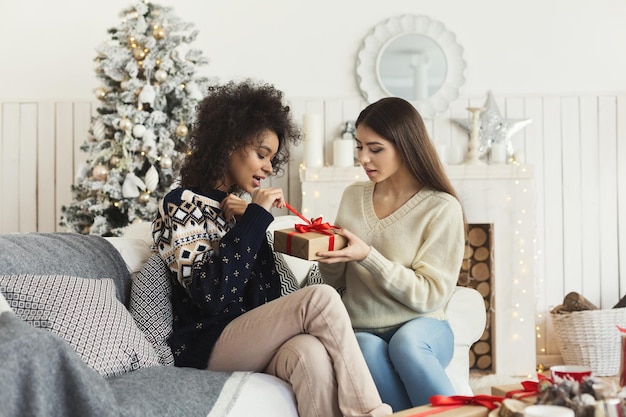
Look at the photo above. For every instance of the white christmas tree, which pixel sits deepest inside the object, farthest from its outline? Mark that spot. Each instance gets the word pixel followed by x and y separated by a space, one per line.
pixel 149 92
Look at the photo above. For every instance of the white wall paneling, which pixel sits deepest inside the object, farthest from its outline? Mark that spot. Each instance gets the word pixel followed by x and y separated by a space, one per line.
pixel 574 144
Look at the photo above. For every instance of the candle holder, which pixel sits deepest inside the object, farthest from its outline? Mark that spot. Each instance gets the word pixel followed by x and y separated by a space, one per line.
pixel 473 155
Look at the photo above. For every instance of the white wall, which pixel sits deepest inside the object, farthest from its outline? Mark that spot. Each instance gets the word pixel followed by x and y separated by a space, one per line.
pixel 309 49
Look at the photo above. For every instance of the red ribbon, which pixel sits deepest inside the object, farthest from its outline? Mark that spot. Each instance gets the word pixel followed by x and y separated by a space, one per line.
pixel 313 225
pixel 490 401
pixel 444 403
pixel 529 388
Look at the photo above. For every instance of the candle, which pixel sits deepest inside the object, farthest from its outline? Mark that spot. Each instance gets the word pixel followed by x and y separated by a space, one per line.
pixel 313 140
pixel 343 153
pixel 497 153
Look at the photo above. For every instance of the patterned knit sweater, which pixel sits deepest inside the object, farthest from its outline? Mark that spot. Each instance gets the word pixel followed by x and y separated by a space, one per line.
pixel 219 269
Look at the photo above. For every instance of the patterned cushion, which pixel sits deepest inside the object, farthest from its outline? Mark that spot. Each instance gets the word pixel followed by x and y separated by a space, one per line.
pixel 151 305
pixel 288 282
pixel 87 314
pixel 315 276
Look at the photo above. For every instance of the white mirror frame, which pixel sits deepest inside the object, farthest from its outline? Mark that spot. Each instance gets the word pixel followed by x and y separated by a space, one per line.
pixel 375 42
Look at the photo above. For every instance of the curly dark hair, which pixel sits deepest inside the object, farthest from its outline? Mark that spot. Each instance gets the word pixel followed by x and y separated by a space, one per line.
pixel 232 116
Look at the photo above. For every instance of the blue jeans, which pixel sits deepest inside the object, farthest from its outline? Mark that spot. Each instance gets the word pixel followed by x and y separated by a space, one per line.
pixel 408 364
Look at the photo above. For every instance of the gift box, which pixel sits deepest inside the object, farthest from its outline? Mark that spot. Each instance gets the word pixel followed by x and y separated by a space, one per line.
pixel 305 245
pixel 455 406
pixel 445 411
pixel 527 393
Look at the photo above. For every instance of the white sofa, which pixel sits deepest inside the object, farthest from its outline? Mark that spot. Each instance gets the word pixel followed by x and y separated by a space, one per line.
pixel 67 261
pixel 465 310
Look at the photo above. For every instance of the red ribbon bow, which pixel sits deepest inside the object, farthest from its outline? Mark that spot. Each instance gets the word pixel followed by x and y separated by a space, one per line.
pixel 490 401
pixel 529 388
pixel 313 225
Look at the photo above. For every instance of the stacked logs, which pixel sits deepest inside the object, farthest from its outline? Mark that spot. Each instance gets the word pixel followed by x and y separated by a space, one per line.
pixel 477 272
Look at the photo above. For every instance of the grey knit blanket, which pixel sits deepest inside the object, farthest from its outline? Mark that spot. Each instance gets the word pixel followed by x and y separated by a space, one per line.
pixel 40 375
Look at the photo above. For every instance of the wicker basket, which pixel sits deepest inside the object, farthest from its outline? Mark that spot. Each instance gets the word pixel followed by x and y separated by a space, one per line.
pixel 591 338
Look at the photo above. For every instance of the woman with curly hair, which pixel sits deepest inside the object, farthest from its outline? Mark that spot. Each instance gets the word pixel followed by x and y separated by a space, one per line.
pixel 229 315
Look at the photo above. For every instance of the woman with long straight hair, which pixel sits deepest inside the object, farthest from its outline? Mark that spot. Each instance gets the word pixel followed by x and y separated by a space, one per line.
pixel 406 238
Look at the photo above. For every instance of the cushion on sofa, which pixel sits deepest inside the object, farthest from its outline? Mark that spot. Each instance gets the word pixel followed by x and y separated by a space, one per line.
pixel 87 314
pixel 87 256
pixel 151 306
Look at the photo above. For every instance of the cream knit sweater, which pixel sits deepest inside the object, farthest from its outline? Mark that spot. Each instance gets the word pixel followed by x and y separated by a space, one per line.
pixel 414 262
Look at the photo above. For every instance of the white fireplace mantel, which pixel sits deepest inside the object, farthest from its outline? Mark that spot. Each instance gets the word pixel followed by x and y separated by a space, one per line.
pixel 498 194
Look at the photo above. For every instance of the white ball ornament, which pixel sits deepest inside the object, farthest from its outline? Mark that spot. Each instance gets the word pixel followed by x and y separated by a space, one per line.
pixel 160 75
pixel 165 162
pixel 126 124
pixel 100 172
pixel 139 130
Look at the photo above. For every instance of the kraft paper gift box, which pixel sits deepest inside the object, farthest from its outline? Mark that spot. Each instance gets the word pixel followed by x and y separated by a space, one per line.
pixel 306 245
pixel 429 410
pixel 515 391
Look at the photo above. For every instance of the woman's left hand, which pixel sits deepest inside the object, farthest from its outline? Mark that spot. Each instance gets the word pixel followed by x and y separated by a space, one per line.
pixel 356 250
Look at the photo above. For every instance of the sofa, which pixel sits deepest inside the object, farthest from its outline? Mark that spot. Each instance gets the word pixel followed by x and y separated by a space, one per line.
pixel 84 322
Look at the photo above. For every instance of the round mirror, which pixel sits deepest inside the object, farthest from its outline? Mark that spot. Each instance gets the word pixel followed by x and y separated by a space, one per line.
pixel 412 57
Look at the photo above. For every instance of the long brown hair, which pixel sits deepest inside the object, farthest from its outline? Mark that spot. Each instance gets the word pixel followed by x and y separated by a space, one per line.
pixel 396 120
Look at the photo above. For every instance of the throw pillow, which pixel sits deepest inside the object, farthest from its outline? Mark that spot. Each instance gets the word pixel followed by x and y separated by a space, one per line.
pixel 288 281
pixel 87 314
pixel 151 305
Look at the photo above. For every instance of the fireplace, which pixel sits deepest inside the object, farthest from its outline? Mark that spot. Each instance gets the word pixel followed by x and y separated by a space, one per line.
pixel 500 196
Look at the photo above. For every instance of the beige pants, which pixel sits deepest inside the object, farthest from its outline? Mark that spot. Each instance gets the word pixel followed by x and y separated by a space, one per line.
pixel 306 339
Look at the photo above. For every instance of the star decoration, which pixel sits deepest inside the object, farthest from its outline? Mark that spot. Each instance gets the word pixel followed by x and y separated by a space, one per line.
pixel 493 127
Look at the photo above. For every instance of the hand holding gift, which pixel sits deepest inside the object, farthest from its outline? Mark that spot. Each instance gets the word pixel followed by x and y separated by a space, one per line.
pixel 355 250
pixel 306 240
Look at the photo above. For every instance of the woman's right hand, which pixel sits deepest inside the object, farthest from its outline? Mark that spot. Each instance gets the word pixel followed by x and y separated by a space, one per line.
pixel 269 197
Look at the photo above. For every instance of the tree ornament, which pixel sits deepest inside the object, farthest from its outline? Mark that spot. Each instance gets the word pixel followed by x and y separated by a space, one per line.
pixel 158 32
pixel 126 124
pixel 147 95
pixel 139 53
pixel 100 92
pixel 139 130
pixel 144 198
pixel 131 186
pixel 98 129
pixel 493 127
pixel 100 172
pixel 181 130
pixel 165 162
pixel 160 75
pixel 114 162
pixel 151 179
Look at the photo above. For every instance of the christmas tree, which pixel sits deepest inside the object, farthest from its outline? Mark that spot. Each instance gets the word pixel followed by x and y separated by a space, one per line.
pixel 149 92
